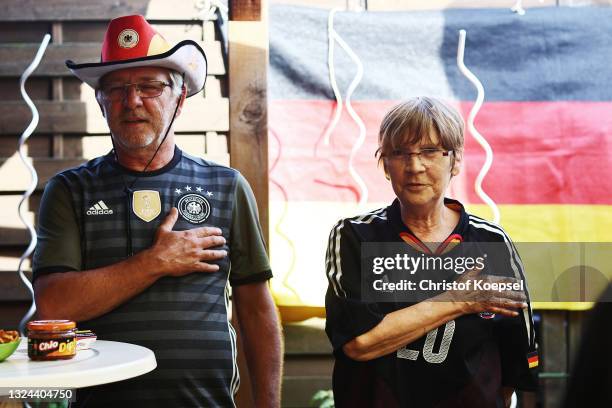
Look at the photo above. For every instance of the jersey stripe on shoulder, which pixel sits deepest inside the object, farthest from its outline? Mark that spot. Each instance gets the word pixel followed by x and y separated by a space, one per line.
pixel 517 267
pixel 333 264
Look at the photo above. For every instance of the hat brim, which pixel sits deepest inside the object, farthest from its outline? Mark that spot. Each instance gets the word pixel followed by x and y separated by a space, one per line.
pixel 186 57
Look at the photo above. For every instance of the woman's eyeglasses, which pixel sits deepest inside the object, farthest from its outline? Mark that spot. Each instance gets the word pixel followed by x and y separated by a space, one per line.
pixel 425 156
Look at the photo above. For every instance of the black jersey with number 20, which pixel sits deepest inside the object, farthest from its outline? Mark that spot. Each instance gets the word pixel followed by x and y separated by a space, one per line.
pixel 463 363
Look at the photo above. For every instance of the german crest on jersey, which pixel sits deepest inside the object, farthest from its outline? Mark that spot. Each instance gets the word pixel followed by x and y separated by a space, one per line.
pixel 146 204
pixel 194 208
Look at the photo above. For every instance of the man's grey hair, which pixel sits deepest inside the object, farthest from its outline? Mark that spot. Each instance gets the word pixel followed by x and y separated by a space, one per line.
pixel 177 82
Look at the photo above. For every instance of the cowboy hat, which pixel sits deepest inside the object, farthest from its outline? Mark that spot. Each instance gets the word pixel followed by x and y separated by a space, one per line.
pixel 130 42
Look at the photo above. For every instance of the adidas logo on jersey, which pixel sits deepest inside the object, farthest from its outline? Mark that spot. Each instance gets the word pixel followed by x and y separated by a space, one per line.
pixel 99 208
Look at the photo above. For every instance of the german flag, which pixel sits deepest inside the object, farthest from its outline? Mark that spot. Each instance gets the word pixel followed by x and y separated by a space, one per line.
pixel 533 360
pixel 546 115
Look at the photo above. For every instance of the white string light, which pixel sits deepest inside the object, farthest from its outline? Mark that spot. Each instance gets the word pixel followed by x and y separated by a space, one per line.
pixel 22 140
pixel 333 36
pixel 470 123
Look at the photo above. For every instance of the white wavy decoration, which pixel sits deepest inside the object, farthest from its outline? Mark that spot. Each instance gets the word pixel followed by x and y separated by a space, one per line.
pixel 22 141
pixel 470 123
pixel 333 37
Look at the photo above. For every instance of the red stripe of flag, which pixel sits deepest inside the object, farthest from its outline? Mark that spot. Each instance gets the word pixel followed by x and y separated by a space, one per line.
pixel 545 152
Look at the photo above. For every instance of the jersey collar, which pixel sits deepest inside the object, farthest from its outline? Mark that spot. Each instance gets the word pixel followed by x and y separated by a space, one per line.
pixel 178 154
pixel 404 233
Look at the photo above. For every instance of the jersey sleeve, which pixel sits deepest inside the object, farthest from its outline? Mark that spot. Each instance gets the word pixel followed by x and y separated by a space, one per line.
pixel 248 257
pixel 516 335
pixel 348 316
pixel 59 245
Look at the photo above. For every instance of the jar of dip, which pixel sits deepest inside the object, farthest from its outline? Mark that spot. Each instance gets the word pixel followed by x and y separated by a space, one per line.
pixel 51 340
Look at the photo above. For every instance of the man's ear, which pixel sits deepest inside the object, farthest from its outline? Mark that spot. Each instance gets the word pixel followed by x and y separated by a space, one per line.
pixel 99 101
pixel 183 97
pixel 457 159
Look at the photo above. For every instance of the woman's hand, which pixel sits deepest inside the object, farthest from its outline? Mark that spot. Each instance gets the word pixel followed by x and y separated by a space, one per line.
pixel 475 300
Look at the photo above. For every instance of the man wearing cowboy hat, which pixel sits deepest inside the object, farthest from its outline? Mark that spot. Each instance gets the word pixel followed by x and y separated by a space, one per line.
pixel 142 244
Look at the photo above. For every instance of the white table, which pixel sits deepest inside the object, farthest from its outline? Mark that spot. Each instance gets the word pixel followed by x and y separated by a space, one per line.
pixel 105 362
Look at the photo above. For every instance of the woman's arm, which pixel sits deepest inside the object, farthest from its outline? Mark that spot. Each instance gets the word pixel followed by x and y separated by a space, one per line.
pixel 400 328
pixel 407 325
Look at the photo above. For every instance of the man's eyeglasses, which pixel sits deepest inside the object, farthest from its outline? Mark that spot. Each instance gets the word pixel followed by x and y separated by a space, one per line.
pixel 426 156
pixel 145 89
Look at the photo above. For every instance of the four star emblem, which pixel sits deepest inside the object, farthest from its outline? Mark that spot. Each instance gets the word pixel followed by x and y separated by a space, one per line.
pixel 189 188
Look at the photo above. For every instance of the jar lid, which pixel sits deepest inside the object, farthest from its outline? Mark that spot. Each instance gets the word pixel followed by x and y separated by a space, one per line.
pixel 51 325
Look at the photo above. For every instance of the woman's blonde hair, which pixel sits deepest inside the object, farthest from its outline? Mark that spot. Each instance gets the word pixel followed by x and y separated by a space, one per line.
pixel 413 120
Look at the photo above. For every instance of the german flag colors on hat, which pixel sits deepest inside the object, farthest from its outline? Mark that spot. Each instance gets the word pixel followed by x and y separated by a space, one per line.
pixel 130 42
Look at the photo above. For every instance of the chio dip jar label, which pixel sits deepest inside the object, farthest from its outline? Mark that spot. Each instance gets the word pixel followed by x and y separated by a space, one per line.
pixel 51 339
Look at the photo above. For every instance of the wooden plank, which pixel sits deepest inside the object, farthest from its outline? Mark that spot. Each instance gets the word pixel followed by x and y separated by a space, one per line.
pixel 36 87
pixel 15 177
pixel 197 145
pixel 14 58
pixel 92 31
pixel 306 338
pixel 66 116
pixel 72 88
pixel 217 149
pixel 12 230
pixel 248 59
pixel 72 147
pixel 209 31
pixel 9 259
pixel 212 87
pixel 245 10
pixel 94 146
pixel 11 313
pixel 14 236
pixel 36 146
pixel 194 145
pixel 57 91
pixel 199 114
pixel 174 33
pixel 12 288
pixel 21 33
pixel 84 31
pixel 216 143
pixel 99 10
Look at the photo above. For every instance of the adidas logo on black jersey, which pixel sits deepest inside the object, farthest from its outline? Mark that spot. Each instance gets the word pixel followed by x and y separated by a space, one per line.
pixel 99 208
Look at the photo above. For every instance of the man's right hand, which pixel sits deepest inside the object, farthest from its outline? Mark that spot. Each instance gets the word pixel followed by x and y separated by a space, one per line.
pixel 178 253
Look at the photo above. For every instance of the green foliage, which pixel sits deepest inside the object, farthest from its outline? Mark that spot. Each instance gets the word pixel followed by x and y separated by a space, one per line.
pixel 323 399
